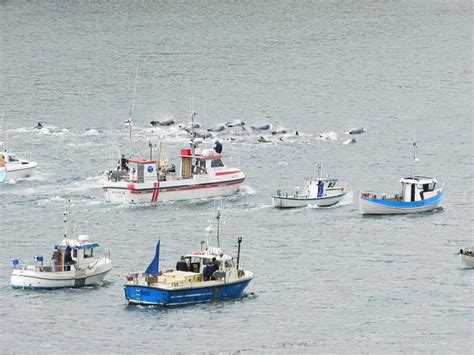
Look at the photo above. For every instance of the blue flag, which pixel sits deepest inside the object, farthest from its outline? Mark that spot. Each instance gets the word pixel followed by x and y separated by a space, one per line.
pixel 152 269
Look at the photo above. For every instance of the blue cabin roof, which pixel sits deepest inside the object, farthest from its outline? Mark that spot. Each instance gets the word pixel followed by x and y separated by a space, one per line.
pixel 79 246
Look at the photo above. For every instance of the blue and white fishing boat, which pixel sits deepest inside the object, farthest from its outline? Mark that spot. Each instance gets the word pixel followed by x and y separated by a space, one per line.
pixel 203 276
pixel 419 194
pixel 75 263
pixel 3 169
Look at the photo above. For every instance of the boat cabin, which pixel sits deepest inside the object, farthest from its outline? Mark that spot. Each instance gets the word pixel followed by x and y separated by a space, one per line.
pixel 316 187
pixel 418 188
pixel 199 163
pixel 202 263
pixel 75 252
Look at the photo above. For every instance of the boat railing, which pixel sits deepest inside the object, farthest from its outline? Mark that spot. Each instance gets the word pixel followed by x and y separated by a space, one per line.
pixel 381 196
pixel 118 175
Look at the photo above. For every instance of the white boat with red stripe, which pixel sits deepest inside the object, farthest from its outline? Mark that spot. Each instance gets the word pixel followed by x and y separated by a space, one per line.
pixel 202 174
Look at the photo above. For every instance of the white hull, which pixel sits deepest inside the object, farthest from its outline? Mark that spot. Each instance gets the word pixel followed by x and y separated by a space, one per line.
pixel 468 261
pixel 368 207
pixel 43 280
pixel 148 192
pixel 19 171
pixel 294 202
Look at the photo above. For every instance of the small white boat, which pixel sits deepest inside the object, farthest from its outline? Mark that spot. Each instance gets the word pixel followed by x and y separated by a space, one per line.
pixel 75 263
pixel 16 168
pixel 467 257
pixel 419 194
pixel 317 191
pixel 3 170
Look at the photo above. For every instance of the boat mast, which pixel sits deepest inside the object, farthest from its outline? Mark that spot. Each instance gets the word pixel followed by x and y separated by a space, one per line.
pixel 239 241
pixel 66 222
pixel 319 167
pixel 415 159
pixel 218 217
pixel 132 109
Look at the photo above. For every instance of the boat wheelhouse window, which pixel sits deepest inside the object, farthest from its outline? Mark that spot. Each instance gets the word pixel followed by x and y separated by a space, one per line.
pixel 74 253
pixel 88 253
pixel 429 187
pixel 216 163
pixel 332 184
pixel 12 158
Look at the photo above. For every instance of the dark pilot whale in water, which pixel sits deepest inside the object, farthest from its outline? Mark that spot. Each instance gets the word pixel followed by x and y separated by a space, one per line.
pixel 235 123
pixel 202 135
pixel 169 122
pixel 356 131
pixel 261 128
pixel 219 128
pixel 279 131
pixel 350 141
pixel 39 125
pixel 262 139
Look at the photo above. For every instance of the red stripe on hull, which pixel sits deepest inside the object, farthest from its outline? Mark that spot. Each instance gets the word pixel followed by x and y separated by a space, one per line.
pixel 159 190
pixel 220 173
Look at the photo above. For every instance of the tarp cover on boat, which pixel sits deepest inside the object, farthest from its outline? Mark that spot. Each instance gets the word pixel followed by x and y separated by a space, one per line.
pixel 152 269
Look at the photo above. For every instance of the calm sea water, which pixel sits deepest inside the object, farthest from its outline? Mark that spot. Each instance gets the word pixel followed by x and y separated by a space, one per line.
pixel 326 280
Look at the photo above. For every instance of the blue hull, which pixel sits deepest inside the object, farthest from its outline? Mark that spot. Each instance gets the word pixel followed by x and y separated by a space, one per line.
pixel 146 295
pixel 370 205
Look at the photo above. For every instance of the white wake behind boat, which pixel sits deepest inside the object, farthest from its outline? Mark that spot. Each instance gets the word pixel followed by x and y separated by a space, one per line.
pixel 15 168
pixel 75 263
pixel 317 191
pixel 202 174
pixel 467 257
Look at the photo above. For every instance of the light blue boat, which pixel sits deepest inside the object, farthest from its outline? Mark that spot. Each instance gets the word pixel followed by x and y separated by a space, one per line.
pixel 419 194
pixel 202 276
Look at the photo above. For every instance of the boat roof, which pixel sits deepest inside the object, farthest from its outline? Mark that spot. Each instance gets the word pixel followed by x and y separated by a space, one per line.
pixel 204 255
pixel 418 180
pixel 315 178
pixel 142 161
pixel 77 244
pixel 202 156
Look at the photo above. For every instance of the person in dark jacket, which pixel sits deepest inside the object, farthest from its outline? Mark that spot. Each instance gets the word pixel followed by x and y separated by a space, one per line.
pixel 124 163
pixel 218 147
pixel 68 259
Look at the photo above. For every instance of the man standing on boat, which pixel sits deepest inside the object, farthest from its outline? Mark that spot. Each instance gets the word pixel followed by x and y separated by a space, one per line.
pixel 218 147
pixel 124 163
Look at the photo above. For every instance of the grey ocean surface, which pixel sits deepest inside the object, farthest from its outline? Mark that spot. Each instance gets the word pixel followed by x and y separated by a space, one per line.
pixel 326 280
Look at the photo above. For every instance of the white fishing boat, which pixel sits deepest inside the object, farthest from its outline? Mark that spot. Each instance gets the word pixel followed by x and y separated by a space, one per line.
pixel 202 174
pixel 317 191
pixel 419 194
pixel 16 168
pixel 3 170
pixel 202 276
pixel 467 257
pixel 75 263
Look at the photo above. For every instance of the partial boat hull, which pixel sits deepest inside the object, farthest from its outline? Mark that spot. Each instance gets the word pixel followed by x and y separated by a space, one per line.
pixel 468 261
pixel 375 206
pixel 206 292
pixel 20 171
pixel 31 279
pixel 149 192
pixel 295 202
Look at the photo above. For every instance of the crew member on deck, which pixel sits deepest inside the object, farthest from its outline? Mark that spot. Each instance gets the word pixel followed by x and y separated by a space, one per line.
pixel 218 147
pixel 124 163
